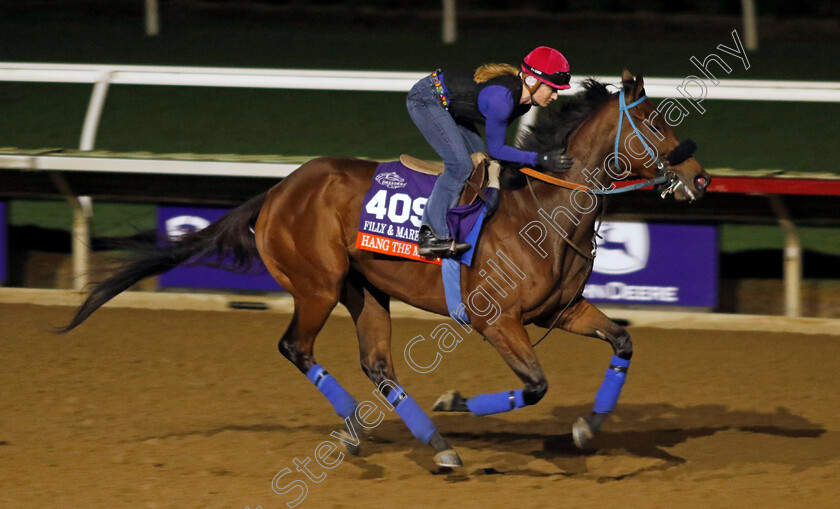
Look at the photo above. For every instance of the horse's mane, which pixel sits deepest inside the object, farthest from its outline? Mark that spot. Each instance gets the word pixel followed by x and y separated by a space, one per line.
pixel 553 128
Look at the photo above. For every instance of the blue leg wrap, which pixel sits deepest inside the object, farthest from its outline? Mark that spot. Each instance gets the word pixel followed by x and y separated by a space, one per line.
pixel 486 404
pixel 340 399
pixel 608 394
pixel 417 421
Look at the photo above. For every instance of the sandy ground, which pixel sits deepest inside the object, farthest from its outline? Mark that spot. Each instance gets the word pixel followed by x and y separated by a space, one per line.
pixel 196 409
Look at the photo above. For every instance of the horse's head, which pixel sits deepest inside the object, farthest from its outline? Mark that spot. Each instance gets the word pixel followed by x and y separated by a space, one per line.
pixel 614 135
pixel 648 147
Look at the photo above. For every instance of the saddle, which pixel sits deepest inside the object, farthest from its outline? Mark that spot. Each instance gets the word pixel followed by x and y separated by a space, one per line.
pixel 485 174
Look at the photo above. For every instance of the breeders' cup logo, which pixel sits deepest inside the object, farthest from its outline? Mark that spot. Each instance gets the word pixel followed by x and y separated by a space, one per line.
pixel 178 226
pixel 390 180
pixel 623 249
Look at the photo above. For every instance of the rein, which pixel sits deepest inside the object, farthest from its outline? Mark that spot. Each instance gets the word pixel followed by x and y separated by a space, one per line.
pixel 661 179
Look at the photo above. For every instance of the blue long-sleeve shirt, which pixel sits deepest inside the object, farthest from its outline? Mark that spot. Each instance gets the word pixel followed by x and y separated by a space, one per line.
pixel 496 103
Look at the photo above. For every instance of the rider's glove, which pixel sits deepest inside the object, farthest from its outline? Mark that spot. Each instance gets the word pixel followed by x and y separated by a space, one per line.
pixel 556 160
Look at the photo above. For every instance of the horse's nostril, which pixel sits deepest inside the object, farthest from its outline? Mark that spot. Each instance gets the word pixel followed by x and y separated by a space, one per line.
pixel 701 182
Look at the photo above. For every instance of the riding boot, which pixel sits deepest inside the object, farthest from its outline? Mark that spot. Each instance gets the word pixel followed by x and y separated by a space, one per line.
pixel 430 244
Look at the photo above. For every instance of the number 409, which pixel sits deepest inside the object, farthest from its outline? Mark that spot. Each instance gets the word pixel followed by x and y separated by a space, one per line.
pixel 399 207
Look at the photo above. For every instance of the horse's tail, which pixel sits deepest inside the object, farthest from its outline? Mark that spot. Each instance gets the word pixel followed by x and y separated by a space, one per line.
pixel 229 241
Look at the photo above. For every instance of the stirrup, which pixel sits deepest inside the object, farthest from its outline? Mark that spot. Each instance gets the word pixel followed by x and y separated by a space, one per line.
pixel 457 248
pixel 448 250
pixel 430 245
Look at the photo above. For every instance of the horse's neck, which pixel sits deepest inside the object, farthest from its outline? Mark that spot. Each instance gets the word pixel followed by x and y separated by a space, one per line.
pixel 590 149
pixel 557 205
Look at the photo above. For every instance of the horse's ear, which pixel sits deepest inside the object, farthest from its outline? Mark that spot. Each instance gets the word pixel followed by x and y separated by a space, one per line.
pixel 627 80
pixel 634 86
pixel 638 88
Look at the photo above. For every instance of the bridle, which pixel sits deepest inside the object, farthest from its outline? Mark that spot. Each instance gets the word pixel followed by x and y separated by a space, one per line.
pixel 663 174
pixel 666 181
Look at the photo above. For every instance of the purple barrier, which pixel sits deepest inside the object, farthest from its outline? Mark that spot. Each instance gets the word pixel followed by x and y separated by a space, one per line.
pixel 661 264
pixel 637 263
pixel 176 221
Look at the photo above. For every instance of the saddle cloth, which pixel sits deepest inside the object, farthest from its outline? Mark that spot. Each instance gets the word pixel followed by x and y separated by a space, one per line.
pixel 394 204
pixel 393 207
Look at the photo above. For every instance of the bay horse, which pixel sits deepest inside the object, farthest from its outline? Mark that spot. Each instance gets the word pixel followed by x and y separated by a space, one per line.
pixel 305 228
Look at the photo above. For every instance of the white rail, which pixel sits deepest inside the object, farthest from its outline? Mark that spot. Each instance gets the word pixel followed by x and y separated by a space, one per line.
pixel 116 164
pixel 372 81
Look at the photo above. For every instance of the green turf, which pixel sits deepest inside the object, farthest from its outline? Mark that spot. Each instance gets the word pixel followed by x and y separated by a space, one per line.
pixel 738 134
pixel 109 219
pixel 731 134
pixel 740 237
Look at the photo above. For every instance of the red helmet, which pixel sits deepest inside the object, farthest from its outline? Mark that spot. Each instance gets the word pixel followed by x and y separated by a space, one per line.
pixel 549 66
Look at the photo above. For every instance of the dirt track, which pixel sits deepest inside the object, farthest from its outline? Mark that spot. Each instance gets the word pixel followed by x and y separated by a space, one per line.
pixel 196 409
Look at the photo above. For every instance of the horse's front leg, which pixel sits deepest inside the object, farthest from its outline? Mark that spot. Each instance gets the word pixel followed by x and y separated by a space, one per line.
pixel 510 339
pixel 587 320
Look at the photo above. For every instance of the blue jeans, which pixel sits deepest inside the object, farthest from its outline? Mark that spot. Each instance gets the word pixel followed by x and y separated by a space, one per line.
pixel 453 141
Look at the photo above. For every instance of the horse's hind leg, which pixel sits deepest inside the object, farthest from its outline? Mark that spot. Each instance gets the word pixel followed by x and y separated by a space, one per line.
pixel 297 346
pixel 510 339
pixel 587 320
pixel 300 256
pixel 369 308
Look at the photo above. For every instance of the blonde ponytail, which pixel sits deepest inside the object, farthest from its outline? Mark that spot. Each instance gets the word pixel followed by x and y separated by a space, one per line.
pixel 490 71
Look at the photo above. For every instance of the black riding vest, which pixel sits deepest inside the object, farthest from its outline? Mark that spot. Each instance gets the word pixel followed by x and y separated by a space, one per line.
pixel 462 94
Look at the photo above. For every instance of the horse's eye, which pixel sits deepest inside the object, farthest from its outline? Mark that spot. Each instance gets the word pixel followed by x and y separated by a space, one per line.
pixel 653 128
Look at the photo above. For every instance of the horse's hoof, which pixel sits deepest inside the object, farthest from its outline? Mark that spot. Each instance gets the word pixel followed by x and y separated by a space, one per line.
pixel 452 401
pixel 448 458
pixel 581 433
pixel 351 449
pixel 444 402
